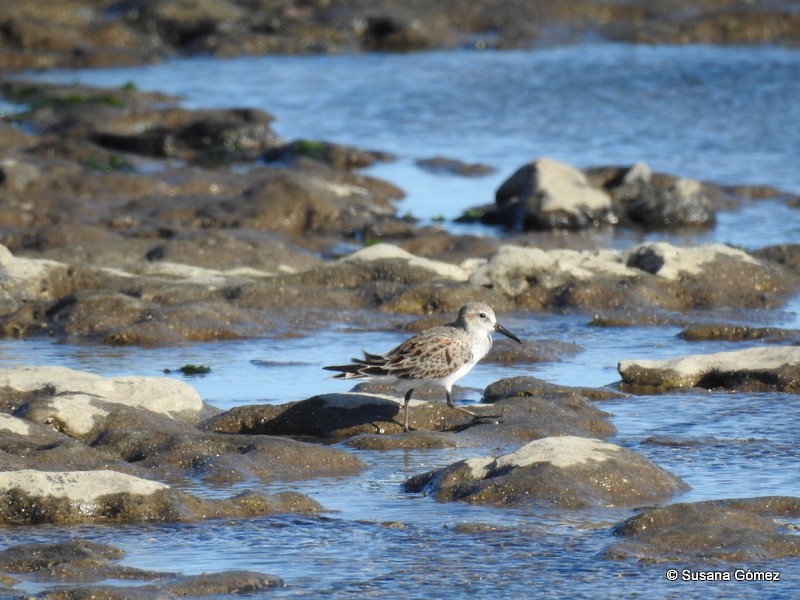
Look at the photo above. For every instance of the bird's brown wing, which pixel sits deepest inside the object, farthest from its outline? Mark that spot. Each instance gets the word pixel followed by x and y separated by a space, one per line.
pixel 430 355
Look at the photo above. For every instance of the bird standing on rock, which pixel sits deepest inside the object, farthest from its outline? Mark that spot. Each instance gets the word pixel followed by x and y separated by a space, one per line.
pixel 436 357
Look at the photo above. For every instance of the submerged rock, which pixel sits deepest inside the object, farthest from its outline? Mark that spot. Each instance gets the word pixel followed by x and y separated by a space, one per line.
pixel 80 562
pixel 736 530
pixel 752 369
pixel 567 471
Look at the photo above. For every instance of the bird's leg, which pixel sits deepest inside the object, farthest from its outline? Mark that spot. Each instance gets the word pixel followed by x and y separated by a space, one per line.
pixel 474 415
pixel 405 410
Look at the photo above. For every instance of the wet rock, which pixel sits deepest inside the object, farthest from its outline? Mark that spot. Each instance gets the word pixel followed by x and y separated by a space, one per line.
pixel 737 530
pixel 33 497
pixel 337 156
pixel 752 369
pixel 547 194
pixel 82 562
pixel 567 471
pixel 336 416
pixel 648 275
pixel 450 166
pixel 222 458
pixel 656 201
pixel 393 33
pixel 787 255
pixel 738 333
pixel 414 440
pixel 527 387
pixel 74 560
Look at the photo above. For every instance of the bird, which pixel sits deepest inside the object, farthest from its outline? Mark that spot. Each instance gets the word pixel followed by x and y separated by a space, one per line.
pixel 434 358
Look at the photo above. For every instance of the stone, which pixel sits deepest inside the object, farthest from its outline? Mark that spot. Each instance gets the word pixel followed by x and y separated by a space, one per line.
pixel 380 252
pixel 740 530
pixel 547 194
pixel 76 398
pixel 31 497
pixel 564 471
pixel 751 369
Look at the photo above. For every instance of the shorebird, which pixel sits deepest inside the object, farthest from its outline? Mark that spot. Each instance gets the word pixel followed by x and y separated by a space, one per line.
pixel 436 357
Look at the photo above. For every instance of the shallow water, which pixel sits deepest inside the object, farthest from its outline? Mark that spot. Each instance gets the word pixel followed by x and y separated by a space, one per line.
pixel 714 114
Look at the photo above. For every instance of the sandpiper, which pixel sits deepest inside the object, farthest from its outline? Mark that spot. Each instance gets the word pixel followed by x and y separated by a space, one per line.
pixel 436 357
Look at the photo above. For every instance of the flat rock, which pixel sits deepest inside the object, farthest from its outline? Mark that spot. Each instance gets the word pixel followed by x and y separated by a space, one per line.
pixel 80 562
pixel 739 530
pixel 33 497
pixel 337 415
pixel 752 369
pixel 652 275
pixel 566 471
pixel 76 402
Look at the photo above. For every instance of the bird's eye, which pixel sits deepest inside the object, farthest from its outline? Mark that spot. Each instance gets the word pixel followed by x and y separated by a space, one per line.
pixel 482 315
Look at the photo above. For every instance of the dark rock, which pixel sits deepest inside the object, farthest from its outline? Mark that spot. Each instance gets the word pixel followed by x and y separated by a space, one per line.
pixel 737 530
pixel 334 155
pixel 738 333
pixel 787 255
pixel 79 562
pixel 450 166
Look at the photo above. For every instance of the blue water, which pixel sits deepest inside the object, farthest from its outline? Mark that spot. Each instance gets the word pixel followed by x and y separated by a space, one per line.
pixel 726 115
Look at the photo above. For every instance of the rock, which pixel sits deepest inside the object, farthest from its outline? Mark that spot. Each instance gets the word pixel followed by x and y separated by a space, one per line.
pixel 737 530
pixel 337 156
pixel 393 33
pixel 787 255
pixel 752 369
pixel 647 275
pixel 26 279
pixel 547 194
pixel 337 415
pixel 382 252
pixel 75 400
pixel 682 204
pixel 32 497
pixel 450 166
pixel 219 458
pixel 80 562
pixel 656 201
pixel 567 471
pixel 737 333
pixel 527 387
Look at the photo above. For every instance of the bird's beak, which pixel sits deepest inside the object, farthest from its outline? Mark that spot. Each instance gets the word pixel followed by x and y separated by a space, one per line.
pixel 500 329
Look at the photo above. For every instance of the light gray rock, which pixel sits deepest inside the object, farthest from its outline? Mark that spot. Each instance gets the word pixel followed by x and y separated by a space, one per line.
pixel 77 400
pixel 547 194
pixel 565 471
pixel 30 496
pixel 384 251
pixel 763 368
pixel 83 487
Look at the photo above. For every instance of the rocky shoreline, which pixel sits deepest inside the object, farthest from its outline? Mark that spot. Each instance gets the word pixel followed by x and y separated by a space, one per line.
pixel 128 220
pixel 43 35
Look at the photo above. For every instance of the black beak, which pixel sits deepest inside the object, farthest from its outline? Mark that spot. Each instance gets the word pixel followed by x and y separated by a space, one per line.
pixel 500 329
